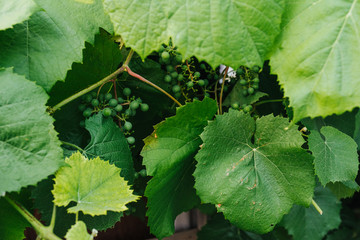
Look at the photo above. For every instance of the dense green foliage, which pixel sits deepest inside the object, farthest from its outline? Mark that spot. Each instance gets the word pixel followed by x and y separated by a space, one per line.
pixel 114 107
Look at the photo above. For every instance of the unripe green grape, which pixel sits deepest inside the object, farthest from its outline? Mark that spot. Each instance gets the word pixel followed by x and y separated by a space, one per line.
pixel 255 86
pixel 176 88
pixel 243 82
pixel 248 108
pixel 144 107
pixel 202 66
pixel 239 71
pixel 82 107
pixel 106 112
pixel 108 96
pixel 82 123
pixel 165 56
pixel 216 76
pixel 113 102
pixel 95 102
pixel 88 98
pixel 197 74
pixel 134 105
pixel 139 100
pixel 118 108
pixel 201 82
pixel 136 175
pixel 206 82
pixel 128 112
pixel 120 100
pixel 143 173
pixel 251 90
pixel 130 140
pixel 255 68
pixel 178 58
pixel 184 67
pixel 190 84
pixel 256 80
pixel 161 49
pixel 127 91
pixel 180 77
pixel 245 92
pixel 207 94
pixel 170 68
pixel 113 113
pixel 128 126
pixel 177 95
pixel 235 105
pixel 174 75
pixel 87 112
pixel 195 99
pixel 167 78
pixel 101 97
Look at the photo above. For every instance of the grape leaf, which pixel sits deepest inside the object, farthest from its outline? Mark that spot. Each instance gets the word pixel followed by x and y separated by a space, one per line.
pixel 15 11
pixel 306 223
pixel 29 148
pixel 250 168
pixel 95 185
pixel 318 55
pixel 335 153
pixel 99 61
pixel 230 32
pixel 44 47
pixel 78 232
pixel 169 157
pixel 344 189
pixel 43 201
pixel 109 143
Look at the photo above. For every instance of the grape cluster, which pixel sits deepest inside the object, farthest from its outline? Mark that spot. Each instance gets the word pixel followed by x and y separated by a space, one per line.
pixel 121 108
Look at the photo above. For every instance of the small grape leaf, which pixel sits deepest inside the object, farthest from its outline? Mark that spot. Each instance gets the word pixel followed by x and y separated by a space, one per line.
pixel 78 232
pixel 250 168
pixel 95 185
pixel 44 47
pixel 230 32
pixel 318 55
pixel 29 148
pixel 15 11
pixel 109 143
pixel 344 189
pixel 169 157
pixel 306 223
pixel 236 96
pixel 335 153
pixel 43 201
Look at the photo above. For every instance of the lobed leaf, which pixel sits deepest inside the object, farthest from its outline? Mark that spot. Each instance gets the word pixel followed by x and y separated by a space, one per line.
pixel 250 168
pixel 78 232
pixel 29 148
pixel 317 58
pixel 230 32
pixel 95 185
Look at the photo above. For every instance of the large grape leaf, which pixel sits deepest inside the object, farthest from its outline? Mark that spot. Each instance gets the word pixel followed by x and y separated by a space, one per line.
pixel 335 153
pixel 343 189
pixel 95 185
pixel 15 11
pixel 29 147
pixel 250 168
pixel 306 223
pixel 231 32
pixel 318 55
pixel 169 157
pixel 44 47
pixel 109 143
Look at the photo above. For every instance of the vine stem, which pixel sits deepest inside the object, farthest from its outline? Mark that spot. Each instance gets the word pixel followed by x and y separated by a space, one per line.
pixel 268 101
pixel 222 89
pixel 131 73
pixel 316 206
pixel 72 145
pixel 44 232
pixel 92 87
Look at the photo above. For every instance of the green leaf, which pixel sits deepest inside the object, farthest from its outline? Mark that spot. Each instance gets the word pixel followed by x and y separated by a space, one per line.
pixel 29 148
pixel 344 189
pixel 109 143
pixel 169 157
pixel 95 185
pixel 236 96
pixel 43 201
pixel 12 224
pixel 250 168
pixel 230 32
pixel 318 55
pixel 99 60
pixel 335 153
pixel 15 11
pixel 78 232
pixel 44 47
pixel 306 223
